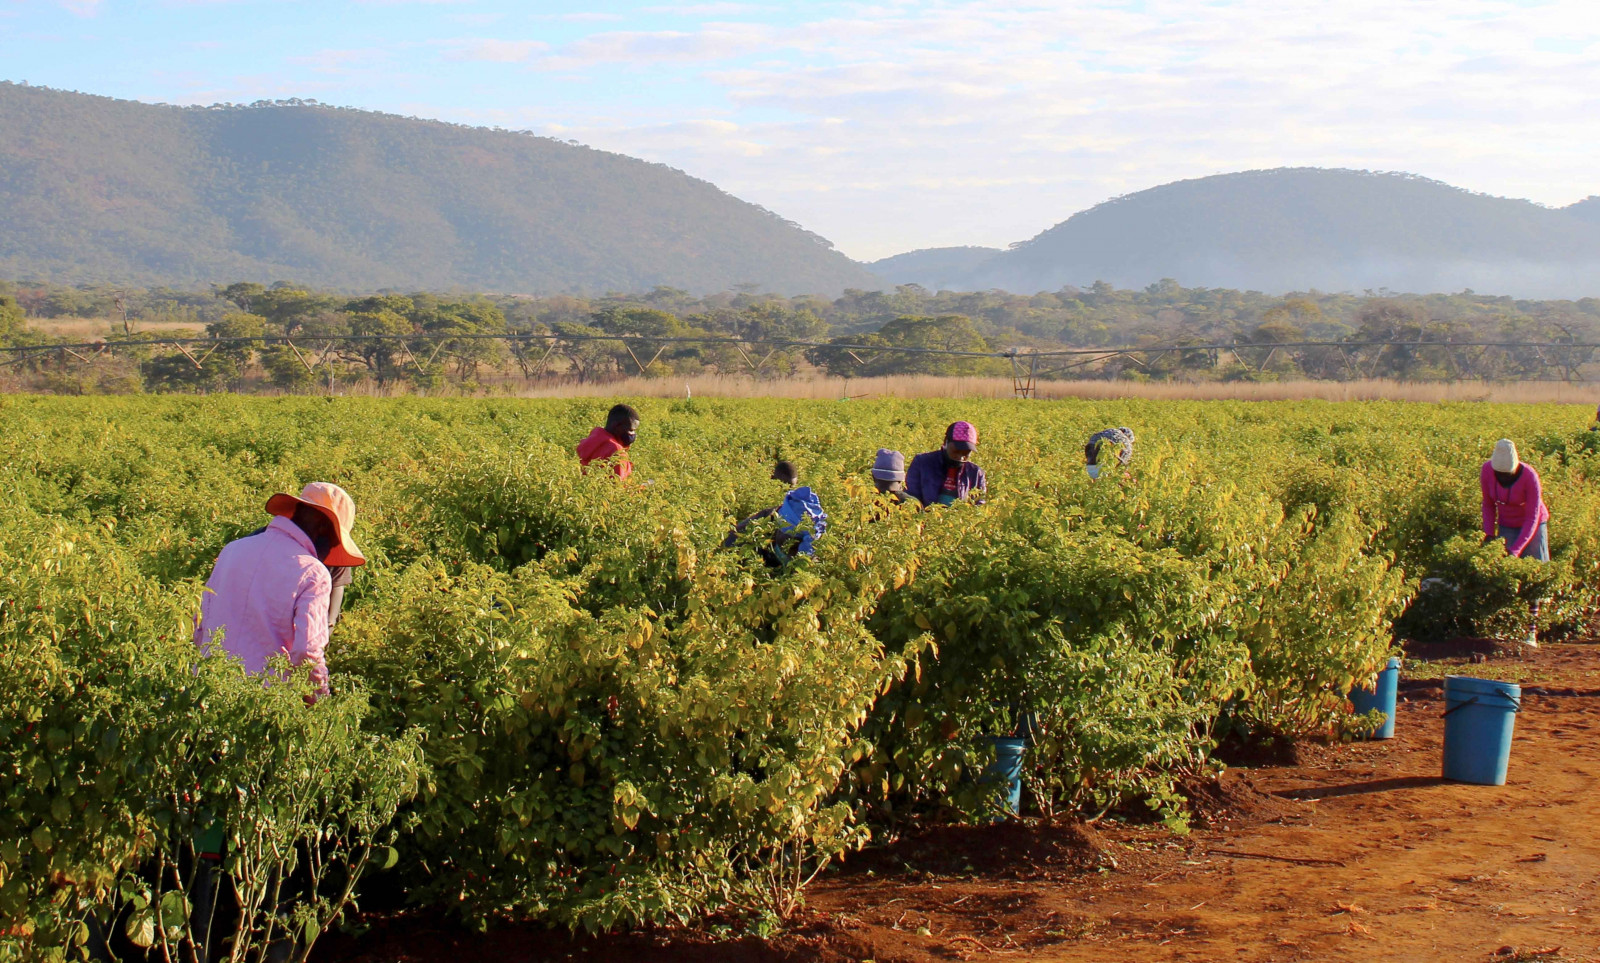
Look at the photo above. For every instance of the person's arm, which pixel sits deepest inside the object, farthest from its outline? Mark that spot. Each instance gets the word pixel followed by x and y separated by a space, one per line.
pixel 742 526
pixel 1530 513
pixel 339 577
pixel 311 626
pixel 980 486
pixel 1488 504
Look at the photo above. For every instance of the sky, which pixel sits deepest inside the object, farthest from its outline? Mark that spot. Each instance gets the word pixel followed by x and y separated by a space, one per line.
pixel 890 126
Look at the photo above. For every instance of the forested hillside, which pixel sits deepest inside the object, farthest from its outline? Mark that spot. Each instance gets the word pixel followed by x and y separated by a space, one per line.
pixel 1304 228
pixel 100 190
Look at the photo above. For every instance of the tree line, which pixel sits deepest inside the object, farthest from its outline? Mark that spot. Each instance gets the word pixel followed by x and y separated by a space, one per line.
pixel 441 340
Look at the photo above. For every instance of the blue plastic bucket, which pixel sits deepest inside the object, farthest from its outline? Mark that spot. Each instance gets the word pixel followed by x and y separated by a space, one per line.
pixel 1479 717
pixel 1007 768
pixel 1381 699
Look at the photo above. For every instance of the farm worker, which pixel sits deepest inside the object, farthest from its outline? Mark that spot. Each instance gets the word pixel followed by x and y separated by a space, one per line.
pixel 799 504
pixel 889 474
pixel 340 577
pixel 1122 437
pixel 612 441
pixel 1513 504
pixel 269 593
pixel 947 475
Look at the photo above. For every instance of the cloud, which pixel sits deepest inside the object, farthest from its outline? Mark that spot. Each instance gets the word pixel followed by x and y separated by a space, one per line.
pixel 354 60
pixel 706 9
pixel 714 42
pixel 495 51
pixel 891 124
pixel 888 126
pixel 585 16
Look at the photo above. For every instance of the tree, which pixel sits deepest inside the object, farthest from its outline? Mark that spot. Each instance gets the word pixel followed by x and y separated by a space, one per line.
pixel 12 321
pixel 243 294
pixel 844 359
pixel 466 318
pixel 949 332
pixel 590 360
pixel 286 370
pixel 286 308
pixel 380 356
pixel 645 330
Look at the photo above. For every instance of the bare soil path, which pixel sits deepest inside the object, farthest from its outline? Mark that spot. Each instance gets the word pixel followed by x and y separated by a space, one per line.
pixel 1355 852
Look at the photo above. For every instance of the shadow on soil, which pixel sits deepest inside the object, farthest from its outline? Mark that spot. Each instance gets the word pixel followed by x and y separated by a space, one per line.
pixel 1362 788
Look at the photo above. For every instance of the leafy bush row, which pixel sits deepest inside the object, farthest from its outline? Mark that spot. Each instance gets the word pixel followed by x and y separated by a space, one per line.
pixel 558 698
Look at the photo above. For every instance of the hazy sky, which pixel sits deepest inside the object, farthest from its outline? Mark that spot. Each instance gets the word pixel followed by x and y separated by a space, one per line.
pixel 892 126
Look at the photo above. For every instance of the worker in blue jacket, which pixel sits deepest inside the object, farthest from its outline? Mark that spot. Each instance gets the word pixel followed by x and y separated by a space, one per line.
pixel 794 536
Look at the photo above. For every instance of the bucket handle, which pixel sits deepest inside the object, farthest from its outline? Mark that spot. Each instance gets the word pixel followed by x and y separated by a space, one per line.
pixel 1516 704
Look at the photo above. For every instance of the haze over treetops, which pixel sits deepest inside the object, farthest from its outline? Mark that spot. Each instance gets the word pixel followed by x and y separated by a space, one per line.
pixel 111 191
pixel 1294 229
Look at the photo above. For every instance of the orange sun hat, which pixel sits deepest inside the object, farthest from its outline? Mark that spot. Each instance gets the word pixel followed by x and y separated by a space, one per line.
pixel 334 502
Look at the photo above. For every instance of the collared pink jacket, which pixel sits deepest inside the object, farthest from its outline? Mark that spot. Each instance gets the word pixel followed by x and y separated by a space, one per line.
pixel 269 594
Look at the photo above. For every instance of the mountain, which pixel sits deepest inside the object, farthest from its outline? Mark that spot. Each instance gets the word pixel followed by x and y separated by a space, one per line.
pixel 935 268
pixel 96 189
pixel 1588 208
pixel 1301 228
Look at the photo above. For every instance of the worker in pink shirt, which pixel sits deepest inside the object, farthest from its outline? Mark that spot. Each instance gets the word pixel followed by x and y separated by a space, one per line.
pixel 268 593
pixel 1513 504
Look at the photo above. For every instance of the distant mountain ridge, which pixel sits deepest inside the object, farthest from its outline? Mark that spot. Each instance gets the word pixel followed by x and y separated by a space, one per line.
pixel 1588 208
pixel 935 268
pixel 1302 228
pixel 94 189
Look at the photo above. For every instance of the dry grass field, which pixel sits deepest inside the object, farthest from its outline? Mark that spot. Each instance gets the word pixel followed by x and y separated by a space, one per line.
pixel 915 386
pixel 91 329
pixel 810 385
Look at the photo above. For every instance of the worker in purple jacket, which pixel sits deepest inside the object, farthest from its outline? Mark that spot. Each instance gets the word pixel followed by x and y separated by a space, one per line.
pixel 947 475
pixel 1513 504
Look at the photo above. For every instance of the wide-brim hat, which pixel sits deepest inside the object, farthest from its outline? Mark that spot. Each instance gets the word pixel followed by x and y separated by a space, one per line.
pixel 340 508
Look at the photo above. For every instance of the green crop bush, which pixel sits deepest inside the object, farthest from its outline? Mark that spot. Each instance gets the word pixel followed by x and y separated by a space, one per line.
pixel 557 697
pixel 120 745
pixel 631 764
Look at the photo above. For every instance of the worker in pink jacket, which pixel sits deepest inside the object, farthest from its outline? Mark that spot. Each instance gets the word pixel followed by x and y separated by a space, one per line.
pixel 268 593
pixel 1513 504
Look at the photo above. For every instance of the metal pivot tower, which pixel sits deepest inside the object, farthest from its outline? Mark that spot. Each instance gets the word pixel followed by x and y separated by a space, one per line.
pixel 1023 384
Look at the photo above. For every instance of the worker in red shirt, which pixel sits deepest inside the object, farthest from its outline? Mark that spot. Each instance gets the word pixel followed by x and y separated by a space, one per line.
pixel 610 444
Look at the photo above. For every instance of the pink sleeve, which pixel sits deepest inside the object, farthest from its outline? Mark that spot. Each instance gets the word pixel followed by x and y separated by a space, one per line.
pixel 1530 517
pixel 311 625
pixel 1488 503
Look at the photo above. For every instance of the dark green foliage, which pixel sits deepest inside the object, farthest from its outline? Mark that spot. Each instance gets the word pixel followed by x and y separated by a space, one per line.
pixel 1165 313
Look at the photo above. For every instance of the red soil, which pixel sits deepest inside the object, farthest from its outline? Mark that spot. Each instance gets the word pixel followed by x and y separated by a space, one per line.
pixel 1355 852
